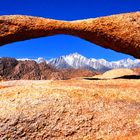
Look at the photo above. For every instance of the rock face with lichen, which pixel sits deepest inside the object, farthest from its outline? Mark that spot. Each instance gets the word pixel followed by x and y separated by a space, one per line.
pixel 117 32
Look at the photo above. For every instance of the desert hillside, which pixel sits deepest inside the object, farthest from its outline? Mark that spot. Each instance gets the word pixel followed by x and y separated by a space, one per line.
pixel 72 109
pixel 12 69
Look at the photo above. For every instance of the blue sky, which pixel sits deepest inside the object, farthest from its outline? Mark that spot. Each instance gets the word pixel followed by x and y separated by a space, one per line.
pixel 55 46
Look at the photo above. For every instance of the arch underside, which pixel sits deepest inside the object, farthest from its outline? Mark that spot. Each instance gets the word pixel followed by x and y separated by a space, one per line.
pixel 118 32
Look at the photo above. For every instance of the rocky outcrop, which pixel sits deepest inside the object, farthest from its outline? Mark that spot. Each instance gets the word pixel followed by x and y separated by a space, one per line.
pixel 11 69
pixel 117 73
pixel 118 32
pixel 70 110
pixel 6 66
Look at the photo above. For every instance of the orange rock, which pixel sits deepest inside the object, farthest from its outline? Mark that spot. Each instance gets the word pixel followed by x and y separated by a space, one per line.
pixel 70 110
pixel 118 32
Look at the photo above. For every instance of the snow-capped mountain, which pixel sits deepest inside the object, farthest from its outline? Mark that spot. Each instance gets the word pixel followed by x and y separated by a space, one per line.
pixel 38 60
pixel 77 61
pixel 59 63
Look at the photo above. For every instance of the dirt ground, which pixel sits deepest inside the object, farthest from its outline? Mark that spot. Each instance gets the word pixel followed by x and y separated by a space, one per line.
pixel 74 109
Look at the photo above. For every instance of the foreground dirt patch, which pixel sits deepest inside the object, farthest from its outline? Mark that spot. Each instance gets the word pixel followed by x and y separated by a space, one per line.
pixel 72 109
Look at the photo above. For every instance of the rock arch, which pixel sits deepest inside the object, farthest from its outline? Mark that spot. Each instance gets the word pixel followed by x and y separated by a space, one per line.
pixel 117 32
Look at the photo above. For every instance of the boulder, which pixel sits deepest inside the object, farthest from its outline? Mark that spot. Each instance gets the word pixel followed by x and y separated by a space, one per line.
pixel 116 73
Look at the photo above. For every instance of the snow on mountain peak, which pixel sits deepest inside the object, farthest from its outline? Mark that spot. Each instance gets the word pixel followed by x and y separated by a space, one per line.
pixel 23 59
pixel 74 56
pixel 76 60
pixel 40 59
pixel 93 59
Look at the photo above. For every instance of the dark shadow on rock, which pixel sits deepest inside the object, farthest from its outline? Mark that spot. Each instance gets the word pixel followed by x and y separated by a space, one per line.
pixel 129 77
pixel 122 77
pixel 88 78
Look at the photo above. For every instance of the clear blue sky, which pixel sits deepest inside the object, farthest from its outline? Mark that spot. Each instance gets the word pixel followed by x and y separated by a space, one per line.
pixel 55 46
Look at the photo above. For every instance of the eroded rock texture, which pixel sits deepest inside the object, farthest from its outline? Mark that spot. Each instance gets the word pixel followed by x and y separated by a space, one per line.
pixel 70 110
pixel 118 32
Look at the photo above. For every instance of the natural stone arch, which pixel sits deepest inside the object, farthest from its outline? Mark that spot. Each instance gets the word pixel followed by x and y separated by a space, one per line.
pixel 118 32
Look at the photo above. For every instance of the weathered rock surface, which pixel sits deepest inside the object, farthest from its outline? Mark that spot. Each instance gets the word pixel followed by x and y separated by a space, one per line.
pixel 70 110
pixel 11 69
pixel 118 32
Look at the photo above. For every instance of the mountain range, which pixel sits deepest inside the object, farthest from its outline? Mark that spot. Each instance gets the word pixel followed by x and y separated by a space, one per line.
pixel 78 61
pixel 13 69
pixel 64 67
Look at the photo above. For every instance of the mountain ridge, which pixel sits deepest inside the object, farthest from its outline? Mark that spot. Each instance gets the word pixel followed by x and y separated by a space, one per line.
pixel 13 69
pixel 78 61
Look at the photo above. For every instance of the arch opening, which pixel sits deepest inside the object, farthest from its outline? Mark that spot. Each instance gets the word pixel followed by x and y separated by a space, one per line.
pixel 56 47
pixel 59 45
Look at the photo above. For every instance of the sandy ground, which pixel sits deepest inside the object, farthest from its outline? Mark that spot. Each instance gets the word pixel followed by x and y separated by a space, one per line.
pixel 71 109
